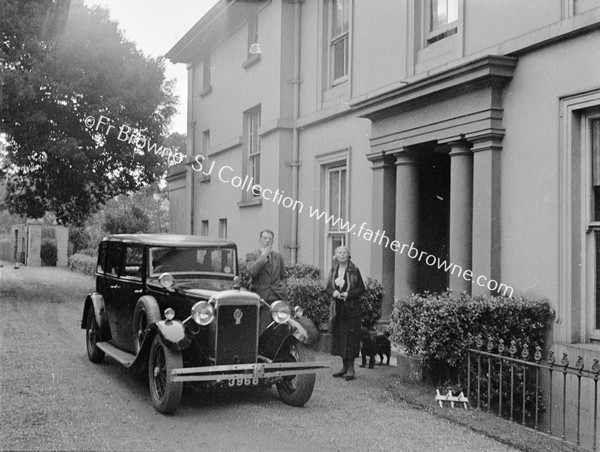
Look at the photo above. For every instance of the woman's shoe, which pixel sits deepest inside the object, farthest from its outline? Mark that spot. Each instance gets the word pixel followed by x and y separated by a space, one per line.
pixel 338 374
pixel 349 377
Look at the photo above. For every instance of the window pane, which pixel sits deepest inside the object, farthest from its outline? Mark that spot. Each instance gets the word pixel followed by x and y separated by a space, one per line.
pixel 334 193
pixel 597 304
pixel 343 194
pixel 438 13
pixel 452 10
pixel 595 145
pixel 337 18
pixel 339 58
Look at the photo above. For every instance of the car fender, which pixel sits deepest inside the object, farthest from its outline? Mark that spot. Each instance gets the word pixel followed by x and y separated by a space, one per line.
pixel 172 333
pixel 95 301
pixel 305 330
pixel 277 336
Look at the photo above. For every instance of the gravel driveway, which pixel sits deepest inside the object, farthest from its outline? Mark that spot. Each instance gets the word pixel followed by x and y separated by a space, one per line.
pixel 53 398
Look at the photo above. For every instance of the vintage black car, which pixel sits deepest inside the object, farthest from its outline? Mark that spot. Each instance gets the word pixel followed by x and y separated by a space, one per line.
pixel 171 305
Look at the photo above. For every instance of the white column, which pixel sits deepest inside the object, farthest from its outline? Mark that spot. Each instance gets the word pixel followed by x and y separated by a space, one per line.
pixel 461 214
pixel 407 221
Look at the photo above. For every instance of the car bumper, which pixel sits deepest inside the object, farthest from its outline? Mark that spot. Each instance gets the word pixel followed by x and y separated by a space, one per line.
pixel 253 372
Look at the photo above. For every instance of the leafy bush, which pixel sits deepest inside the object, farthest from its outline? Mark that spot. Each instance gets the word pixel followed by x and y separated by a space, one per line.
pixel 441 326
pixel 371 301
pixel 302 271
pixel 93 252
pixel 129 220
pixel 48 252
pixel 309 294
pixel 82 263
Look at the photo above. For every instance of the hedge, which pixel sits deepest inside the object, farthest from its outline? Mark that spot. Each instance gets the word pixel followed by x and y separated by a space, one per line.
pixel 441 326
pixel 82 263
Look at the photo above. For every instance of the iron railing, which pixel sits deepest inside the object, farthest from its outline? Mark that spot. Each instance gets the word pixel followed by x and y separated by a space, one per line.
pixel 512 385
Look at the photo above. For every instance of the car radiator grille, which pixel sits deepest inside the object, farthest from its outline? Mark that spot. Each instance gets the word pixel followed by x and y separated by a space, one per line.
pixel 236 334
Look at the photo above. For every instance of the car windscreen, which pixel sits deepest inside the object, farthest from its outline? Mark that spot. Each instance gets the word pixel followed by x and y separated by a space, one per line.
pixel 214 261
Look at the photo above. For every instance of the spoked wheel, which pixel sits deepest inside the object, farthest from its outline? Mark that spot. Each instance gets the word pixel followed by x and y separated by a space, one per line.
pixel 146 313
pixel 92 334
pixel 165 393
pixel 296 390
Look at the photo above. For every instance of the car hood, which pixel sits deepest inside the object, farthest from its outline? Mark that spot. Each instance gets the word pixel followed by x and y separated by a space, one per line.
pixel 204 288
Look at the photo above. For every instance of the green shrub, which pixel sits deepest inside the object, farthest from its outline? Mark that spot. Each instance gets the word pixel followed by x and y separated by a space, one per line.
pixel 302 271
pixel 441 326
pixel 48 252
pixel 371 301
pixel 309 294
pixel 82 263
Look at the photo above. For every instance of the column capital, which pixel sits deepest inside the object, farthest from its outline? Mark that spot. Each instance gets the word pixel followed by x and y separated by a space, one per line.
pixel 490 140
pixel 381 159
pixel 405 157
pixel 458 148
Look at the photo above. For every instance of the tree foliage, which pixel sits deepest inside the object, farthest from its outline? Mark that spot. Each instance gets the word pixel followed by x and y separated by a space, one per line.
pixel 61 63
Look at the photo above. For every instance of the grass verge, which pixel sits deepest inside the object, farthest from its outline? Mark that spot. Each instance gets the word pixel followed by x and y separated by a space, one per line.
pixel 422 396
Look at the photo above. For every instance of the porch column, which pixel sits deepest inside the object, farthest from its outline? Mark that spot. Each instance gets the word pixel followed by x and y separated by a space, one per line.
pixel 486 212
pixel 383 218
pixel 461 214
pixel 407 221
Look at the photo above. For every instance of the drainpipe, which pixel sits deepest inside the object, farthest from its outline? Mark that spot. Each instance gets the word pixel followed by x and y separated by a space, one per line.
pixel 295 164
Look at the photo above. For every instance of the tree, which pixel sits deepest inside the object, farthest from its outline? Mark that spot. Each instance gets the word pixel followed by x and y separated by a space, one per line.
pixel 130 219
pixel 63 63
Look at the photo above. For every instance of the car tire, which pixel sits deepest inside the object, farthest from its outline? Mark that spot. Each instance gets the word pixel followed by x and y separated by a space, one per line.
pixel 165 393
pixel 296 390
pixel 92 334
pixel 146 313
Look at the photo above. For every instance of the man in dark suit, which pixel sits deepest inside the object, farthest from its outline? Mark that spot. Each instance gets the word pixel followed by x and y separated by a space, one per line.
pixel 267 269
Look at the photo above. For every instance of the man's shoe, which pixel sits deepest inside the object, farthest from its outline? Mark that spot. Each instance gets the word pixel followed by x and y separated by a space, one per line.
pixel 349 377
pixel 338 374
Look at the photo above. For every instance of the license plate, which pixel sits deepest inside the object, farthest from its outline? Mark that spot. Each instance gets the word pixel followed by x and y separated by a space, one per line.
pixel 248 381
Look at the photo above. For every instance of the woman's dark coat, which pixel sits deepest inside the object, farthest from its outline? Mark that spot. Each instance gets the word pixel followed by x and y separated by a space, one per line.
pixel 346 323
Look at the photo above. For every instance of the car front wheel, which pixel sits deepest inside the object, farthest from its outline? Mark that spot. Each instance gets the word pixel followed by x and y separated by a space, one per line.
pixel 92 334
pixel 296 390
pixel 165 393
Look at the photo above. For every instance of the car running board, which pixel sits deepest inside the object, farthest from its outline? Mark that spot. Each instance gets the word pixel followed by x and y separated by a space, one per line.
pixel 124 358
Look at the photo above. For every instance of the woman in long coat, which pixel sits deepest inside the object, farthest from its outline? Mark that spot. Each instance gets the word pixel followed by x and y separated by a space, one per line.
pixel 344 287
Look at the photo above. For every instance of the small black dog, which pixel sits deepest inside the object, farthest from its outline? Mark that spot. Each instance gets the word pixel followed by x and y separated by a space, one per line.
pixel 371 346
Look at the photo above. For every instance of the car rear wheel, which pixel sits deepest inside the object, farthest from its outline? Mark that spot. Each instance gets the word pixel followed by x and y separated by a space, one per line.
pixel 92 334
pixel 296 390
pixel 165 393
pixel 146 313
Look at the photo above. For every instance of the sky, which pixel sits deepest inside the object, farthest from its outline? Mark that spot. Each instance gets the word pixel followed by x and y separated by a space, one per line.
pixel 156 26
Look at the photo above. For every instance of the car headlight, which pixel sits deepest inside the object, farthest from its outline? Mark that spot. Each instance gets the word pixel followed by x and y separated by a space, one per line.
pixel 280 311
pixel 203 313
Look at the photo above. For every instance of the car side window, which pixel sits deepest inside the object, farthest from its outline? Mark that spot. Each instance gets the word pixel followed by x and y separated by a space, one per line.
pixel 113 259
pixel 134 259
pixel 101 258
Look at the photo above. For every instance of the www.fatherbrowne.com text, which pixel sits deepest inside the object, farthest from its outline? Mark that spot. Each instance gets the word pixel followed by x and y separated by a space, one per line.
pixel 226 174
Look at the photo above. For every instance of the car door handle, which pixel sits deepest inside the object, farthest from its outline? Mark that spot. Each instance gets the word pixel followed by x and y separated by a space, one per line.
pixel 137 291
pixel 116 286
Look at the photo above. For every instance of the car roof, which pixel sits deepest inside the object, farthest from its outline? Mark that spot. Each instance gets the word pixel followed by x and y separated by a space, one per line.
pixel 167 240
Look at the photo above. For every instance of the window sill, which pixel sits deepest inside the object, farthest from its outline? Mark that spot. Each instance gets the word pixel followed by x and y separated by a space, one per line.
pixel 205 91
pixel 250 202
pixel 251 61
